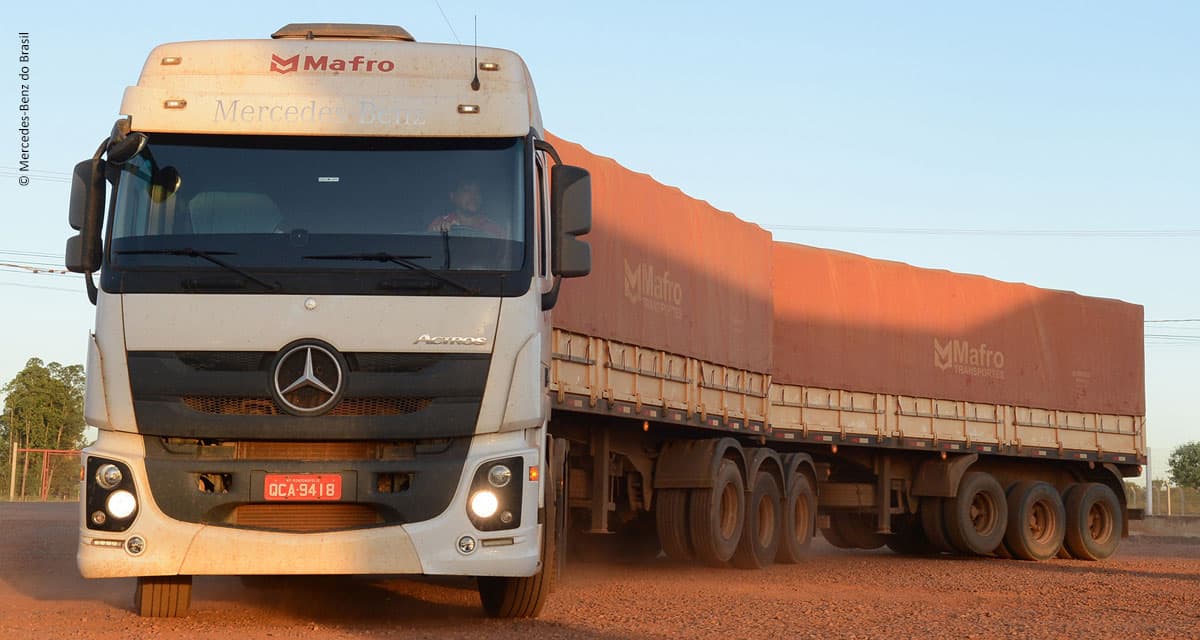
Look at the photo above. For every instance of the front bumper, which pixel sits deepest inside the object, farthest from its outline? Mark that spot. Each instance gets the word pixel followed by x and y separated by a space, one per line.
pixel 174 547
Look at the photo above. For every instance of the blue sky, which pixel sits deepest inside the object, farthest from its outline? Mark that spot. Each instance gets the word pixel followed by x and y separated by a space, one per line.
pixel 1014 117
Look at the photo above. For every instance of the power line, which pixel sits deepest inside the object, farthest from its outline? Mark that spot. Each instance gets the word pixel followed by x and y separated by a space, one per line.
pixel 944 231
pixel 443 12
pixel 37 286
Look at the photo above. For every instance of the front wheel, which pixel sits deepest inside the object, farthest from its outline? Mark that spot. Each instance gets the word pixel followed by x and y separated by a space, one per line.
pixel 524 597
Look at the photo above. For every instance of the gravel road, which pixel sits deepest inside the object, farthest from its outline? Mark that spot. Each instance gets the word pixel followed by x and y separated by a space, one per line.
pixel 1150 589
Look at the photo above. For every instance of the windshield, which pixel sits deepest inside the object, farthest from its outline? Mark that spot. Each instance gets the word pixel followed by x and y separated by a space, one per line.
pixel 276 207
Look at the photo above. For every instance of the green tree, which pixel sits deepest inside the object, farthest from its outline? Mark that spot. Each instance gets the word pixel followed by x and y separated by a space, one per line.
pixel 43 409
pixel 1185 465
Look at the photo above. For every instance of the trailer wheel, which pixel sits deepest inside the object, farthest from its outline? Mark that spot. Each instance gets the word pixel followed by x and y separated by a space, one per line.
pixel 761 525
pixel 934 524
pixel 909 539
pixel 1036 521
pixel 163 596
pixel 671 521
pixel 1093 521
pixel 716 516
pixel 856 530
pixel 799 520
pixel 977 517
pixel 834 537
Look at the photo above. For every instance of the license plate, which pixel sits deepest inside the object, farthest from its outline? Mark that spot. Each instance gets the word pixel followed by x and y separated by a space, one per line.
pixel 302 486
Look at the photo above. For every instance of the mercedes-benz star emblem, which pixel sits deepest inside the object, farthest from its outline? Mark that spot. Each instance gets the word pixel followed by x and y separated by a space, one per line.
pixel 308 379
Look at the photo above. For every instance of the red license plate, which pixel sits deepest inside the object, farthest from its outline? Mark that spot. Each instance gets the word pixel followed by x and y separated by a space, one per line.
pixel 302 486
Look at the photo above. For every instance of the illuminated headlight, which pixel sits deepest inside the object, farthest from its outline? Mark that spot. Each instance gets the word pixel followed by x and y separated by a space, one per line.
pixel 483 504
pixel 108 476
pixel 499 476
pixel 121 504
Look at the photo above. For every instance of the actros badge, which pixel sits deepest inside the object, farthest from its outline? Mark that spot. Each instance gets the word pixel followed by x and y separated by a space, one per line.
pixel 308 378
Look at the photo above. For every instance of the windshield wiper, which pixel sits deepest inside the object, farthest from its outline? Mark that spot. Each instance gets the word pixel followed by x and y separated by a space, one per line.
pixel 404 261
pixel 203 255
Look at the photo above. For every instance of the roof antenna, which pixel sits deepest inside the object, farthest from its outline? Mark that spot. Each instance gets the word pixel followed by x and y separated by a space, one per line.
pixel 475 80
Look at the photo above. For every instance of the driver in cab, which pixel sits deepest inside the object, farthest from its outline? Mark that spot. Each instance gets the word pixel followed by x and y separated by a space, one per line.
pixel 465 214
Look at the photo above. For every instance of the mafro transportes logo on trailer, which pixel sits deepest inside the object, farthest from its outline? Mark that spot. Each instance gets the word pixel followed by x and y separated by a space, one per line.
pixel 654 290
pixel 962 357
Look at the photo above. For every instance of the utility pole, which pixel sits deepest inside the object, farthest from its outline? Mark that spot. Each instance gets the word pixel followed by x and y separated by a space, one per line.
pixel 1149 486
pixel 12 477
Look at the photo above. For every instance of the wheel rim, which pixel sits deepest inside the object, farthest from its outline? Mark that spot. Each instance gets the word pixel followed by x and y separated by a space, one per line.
pixel 801 525
pixel 983 512
pixel 729 505
pixel 766 521
pixel 1100 522
pixel 1041 523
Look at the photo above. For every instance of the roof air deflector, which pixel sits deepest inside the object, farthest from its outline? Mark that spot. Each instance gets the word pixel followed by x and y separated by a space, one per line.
pixel 313 30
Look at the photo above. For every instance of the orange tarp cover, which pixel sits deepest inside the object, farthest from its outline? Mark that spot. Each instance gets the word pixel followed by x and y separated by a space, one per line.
pixel 849 322
pixel 669 271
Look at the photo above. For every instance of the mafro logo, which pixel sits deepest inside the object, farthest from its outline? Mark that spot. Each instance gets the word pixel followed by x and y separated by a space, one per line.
pixel 964 358
pixel 325 63
pixel 653 290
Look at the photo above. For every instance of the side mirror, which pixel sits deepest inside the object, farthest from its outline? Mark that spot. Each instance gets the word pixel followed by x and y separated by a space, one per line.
pixel 86 216
pixel 571 217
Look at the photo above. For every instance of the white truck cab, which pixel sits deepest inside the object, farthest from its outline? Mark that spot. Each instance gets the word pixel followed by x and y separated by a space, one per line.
pixel 325 268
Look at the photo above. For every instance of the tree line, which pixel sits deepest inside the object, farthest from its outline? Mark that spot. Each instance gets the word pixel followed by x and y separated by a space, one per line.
pixel 43 409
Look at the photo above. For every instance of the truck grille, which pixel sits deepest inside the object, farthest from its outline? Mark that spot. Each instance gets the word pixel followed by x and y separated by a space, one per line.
pixel 305 518
pixel 262 406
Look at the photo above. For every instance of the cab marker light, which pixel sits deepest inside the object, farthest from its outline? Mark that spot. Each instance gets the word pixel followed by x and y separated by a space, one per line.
pixel 468 108
pixel 489 66
pixel 171 60
pixel 178 103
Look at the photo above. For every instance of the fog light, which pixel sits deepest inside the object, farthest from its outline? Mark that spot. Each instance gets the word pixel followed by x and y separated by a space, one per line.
pixel 499 476
pixel 98 517
pixel 484 504
pixel 135 545
pixel 121 504
pixel 466 544
pixel 108 476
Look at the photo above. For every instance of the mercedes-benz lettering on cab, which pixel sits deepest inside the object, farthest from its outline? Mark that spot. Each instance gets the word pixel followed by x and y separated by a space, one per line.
pixel 325 264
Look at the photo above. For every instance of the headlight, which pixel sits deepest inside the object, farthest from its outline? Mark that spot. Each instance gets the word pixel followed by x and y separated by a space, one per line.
pixel 108 476
pixel 483 504
pixel 121 504
pixel 499 476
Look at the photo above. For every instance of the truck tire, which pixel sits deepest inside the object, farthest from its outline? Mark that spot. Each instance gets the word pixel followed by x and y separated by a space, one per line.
pixel 761 526
pixel 934 524
pixel 909 539
pixel 671 521
pixel 524 597
pixel 799 520
pixel 1036 521
pixel 857 530
pixel 1093 528
pixel 977 517
pixel 716 515
pixel 833 537
pixel 163 596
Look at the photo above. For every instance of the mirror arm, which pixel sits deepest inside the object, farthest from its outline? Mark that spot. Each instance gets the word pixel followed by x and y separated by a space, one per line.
pixel 542 145
pixel 550 298
pixel 92 292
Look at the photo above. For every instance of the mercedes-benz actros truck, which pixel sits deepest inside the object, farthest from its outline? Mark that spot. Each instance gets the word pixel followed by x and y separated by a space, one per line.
pixel 332 337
